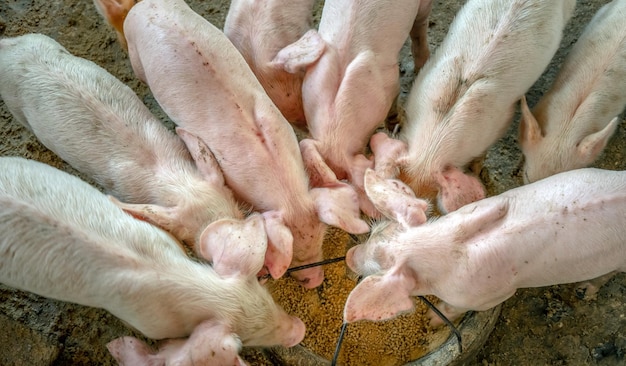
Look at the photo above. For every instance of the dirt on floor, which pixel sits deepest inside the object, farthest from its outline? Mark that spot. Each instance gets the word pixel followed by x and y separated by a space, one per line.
pixel 541 326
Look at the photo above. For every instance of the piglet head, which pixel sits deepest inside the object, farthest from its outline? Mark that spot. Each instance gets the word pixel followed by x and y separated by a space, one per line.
pixel 396 201
pixel 335 204
pixel 546 155
pixel 386 291
pixel 239 250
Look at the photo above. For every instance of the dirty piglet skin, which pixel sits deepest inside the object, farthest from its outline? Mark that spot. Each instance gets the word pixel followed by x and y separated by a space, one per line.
pixel 347 93
pixel 572 123
pixel 464 97
pixel 57 226
pixel 260 30
pixel 203 83
pixel 100 127
pixel 563 229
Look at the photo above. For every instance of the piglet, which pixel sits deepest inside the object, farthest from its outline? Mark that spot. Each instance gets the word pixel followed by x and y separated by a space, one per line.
pixel 100 127
pixel 208 345
pixel 264 31
pixel 57 227
pixel 347 93
pixel 562 229
pixel 464 98
pixel 204 84
pixel 571 124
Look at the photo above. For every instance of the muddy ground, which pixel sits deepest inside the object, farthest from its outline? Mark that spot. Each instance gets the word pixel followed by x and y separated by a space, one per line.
pixel 542 326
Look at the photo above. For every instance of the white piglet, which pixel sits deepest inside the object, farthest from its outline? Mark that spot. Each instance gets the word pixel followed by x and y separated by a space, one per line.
pixel 57 227
pixel 208 345
pixel 265 32
pixel 348 92
pixel 100 127
pixel 204 84
pixel 464 97
pixel 572 123
pixel 562 229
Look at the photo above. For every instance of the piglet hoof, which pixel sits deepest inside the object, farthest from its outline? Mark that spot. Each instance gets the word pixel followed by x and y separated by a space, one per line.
pixel 588 290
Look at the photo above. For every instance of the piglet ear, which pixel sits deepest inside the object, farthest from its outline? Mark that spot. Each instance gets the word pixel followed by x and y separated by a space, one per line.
pixel 380 297
pixel 457 189
pixel 395 200
pixel 236 247
pixel 339 206
pixel 210 343
pixel 530 131
pixel 300 54
pixel 203 156
pixel 130 351
pixel 592 145
pixel 280 244
pixel 478 217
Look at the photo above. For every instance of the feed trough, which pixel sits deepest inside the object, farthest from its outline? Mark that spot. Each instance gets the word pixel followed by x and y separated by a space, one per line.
pixel 405 340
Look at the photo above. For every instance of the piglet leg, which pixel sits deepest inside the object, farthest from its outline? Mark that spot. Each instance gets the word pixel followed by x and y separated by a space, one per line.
pixel 419 35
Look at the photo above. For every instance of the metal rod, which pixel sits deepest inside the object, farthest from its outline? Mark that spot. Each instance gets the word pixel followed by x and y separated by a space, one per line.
pixel 339 341
pixel 310 265
pixel 445 320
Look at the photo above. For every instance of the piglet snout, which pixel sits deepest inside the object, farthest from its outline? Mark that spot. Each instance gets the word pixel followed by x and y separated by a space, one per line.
pixel 297 331
pixel 353 257
pixel 309 278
